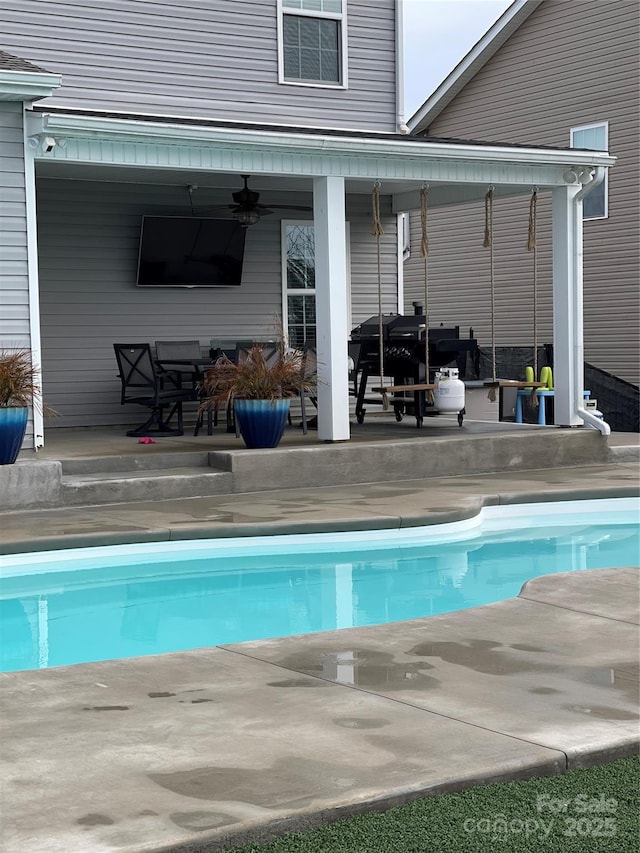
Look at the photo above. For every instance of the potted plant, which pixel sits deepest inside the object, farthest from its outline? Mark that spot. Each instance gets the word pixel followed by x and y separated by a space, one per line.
pixel 258 388
pixel 19 388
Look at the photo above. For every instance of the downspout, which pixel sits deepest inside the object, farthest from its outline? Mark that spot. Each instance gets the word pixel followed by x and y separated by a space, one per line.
pixel 585 414
pixel 401 125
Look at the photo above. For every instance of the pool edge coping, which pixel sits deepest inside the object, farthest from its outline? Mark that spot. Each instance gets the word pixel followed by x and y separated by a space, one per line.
pixel 369 520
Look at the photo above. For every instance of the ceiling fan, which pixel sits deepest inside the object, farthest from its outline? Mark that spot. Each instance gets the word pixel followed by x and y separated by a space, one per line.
pixel 246 207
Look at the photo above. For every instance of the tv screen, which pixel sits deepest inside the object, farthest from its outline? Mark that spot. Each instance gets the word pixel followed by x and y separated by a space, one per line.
pixel 190 251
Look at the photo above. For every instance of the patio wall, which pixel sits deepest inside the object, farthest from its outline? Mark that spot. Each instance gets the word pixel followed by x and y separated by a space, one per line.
pixel 88 235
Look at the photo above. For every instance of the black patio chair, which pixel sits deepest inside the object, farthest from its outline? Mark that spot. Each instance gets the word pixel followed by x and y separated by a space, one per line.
pixel 192 374
pixel 310 369
pixel 142 383
pixel 181 351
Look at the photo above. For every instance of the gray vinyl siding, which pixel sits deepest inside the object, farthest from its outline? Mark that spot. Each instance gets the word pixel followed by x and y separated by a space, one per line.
pixel 364 265
pixel 14 282
pixel 569 64
pixel 200 58
pixel 88 242
pixel 14 268
pixel 459 272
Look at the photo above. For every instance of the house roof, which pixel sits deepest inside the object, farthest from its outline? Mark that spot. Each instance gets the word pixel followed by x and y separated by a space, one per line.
pixel 289 129
pixel 184 149
pixel 9 62
pixel 21 80
pixel 470 64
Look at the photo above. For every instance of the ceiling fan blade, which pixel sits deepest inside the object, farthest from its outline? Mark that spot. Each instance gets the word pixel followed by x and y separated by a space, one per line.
pixel 207 208
pixel 290 206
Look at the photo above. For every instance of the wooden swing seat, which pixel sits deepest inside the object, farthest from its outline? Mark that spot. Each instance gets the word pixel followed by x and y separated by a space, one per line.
pixel 398 389
pixel 513 383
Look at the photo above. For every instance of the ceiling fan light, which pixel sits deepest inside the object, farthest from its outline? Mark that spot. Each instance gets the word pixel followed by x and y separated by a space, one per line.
pixel 246 217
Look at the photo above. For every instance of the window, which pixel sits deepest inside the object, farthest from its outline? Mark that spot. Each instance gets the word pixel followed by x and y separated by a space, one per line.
pixel 594 137
pixel 299 280
pixel 312 43
pixel 299 283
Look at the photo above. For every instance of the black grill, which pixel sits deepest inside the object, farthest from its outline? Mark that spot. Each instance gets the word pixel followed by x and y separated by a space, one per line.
pixel 403 339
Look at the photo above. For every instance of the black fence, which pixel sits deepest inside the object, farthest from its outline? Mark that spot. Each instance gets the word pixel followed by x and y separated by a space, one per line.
pixel 619 401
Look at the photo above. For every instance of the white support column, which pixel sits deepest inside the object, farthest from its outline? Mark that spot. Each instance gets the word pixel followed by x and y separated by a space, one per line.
pixel 568 344
pixel 33 279
pixel 331 308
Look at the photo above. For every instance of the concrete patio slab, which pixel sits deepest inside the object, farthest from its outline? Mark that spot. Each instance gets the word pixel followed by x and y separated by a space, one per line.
pixel 548 674
pixel 215 745
pixel 197 750
pixel 366 506
pixel 613 593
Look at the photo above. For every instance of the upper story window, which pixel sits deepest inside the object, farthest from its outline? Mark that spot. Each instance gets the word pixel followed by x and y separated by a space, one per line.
pixel 312 42
pixel 594 137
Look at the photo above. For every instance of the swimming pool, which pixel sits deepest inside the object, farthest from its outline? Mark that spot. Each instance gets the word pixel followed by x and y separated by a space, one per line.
pixel 79 605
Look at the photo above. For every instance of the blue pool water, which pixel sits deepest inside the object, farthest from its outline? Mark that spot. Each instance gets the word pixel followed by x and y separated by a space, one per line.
pixel 74 606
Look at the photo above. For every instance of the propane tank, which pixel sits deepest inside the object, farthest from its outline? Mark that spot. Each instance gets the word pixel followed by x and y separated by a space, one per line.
pixel 449 391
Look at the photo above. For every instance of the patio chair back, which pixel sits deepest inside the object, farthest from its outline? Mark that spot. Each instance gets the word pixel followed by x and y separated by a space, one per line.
pixel 270 349
pixel 136 370
pixel 166 350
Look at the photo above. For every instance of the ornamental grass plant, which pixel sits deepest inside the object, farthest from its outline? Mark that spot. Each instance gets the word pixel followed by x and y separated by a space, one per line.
pixel 259 376
pixel 19 379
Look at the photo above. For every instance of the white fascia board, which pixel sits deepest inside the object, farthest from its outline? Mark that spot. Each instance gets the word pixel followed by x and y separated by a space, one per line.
pixel 152 133
pixel 470 64
pixel 27 85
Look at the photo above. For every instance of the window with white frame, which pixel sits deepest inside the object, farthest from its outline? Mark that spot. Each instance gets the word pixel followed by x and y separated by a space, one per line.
pixel 299 283
pixel 312 42
pixel 594 137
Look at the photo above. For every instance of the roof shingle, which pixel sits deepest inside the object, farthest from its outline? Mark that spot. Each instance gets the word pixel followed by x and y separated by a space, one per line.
pixel 8 62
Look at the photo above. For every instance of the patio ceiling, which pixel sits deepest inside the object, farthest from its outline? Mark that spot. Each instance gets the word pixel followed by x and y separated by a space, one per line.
pixel 274 187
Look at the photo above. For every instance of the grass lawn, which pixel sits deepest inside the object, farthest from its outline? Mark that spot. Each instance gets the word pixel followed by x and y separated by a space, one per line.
pixel 580 811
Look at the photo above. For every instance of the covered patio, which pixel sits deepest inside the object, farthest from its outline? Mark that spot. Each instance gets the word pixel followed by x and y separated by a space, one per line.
pixel 95 175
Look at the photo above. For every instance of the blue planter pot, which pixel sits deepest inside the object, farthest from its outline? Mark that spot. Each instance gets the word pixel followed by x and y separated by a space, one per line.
pixel 13 425
pixel 262 422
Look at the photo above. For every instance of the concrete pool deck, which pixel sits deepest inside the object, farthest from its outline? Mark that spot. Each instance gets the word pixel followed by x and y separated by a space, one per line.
pixel 196 751
pixel 199 750
pixel 363 506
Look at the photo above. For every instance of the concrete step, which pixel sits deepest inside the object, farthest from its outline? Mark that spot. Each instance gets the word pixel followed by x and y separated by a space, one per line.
pixel 145 485
pixel 161 475
pixel 462 455
pixel 132 462
pixel 625 453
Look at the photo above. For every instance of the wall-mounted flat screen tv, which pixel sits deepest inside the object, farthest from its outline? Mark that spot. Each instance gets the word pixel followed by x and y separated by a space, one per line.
pixel 190 251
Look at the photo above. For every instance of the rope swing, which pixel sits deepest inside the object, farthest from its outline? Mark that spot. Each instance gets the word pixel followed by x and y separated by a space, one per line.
pixel 488 244
pixel 377 231
pixel 424 253
pixel 533 247
pixel 529 385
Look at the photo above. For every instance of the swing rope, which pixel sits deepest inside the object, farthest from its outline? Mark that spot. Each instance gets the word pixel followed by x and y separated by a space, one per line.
pixel 533 247
pixel 377 231
pixel 424 253
pixel 488 244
